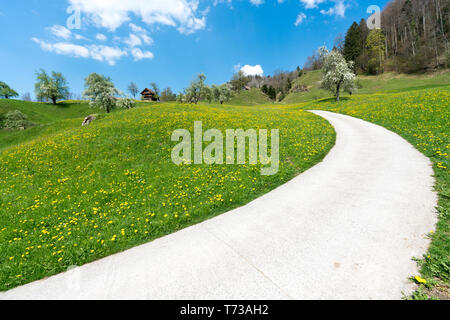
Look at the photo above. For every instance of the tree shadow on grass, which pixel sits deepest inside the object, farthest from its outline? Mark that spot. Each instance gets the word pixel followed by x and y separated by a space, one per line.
pixel 333 100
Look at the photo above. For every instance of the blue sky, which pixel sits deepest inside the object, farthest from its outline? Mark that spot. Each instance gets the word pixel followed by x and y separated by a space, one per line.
pixel 165 41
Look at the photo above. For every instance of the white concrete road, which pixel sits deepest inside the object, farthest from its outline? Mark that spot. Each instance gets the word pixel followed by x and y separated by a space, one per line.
pixel 345 229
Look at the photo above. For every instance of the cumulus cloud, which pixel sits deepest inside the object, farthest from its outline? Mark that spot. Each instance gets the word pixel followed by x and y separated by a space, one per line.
pixel 256 70
pixel 111 14
pixel 101 37
pixel 140 33
pixel 110 54
pixel 133 40
pixel 256 2
pixel 338 10
pixel 106 53
pixel 79 37
pixel 60 31
pixel 300 18
pixel 138 54
pixel 310 4
pixel 96 52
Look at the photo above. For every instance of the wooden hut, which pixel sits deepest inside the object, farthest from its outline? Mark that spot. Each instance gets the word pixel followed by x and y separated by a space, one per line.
pixel 149 95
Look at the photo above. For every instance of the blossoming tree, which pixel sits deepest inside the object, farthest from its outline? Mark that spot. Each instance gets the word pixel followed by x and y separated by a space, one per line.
pixel 337 73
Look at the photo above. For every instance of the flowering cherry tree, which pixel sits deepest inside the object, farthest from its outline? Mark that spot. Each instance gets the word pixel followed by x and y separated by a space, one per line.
pixel 101 91
pixel 337 73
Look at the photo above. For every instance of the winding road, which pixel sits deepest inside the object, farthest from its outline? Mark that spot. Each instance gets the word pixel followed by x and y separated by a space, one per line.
pixel 345 229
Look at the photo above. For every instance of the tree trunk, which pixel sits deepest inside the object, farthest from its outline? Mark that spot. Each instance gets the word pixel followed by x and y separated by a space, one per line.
pixel 424 21
pixel 442 26
pixel 338 91
pixel 53 100
pixel 436 54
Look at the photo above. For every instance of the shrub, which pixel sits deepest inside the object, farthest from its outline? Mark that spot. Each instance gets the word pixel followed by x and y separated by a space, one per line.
pixel 16 120
pixel 126 103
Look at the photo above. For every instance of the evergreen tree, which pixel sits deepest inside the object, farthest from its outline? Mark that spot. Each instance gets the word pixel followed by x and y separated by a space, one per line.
pixel 353 46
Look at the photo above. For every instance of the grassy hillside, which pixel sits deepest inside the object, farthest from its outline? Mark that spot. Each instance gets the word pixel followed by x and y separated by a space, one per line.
pixel 387 82
pixel 48 118
pixel 311 80
pixel 44 113
pixel 421 117
pixel 83 193
pixel 393 82
pixel 251 97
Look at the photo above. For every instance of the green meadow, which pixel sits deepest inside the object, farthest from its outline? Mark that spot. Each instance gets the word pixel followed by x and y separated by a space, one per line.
pixel 71 195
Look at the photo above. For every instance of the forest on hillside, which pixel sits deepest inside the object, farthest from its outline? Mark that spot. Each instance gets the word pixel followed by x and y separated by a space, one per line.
pixel 417 33
pixel 413 38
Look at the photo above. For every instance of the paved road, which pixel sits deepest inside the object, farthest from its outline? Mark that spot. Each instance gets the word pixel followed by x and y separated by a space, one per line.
pixel 345 229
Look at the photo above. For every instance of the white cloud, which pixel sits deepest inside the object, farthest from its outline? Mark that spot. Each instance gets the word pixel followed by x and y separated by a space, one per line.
pixel 111 14
pixel 256 2
pixel 99 53
pixel 133 41
pixel 60 31
pixel 138 54
pixel 138 36
pixel 338 10
pixel 79 37
pixel 64 48
pixel 101 37
pixel 300 18
pixel 310 4
pixel 256 70
pixel 137 29
pixel 105 53
pixel 146 39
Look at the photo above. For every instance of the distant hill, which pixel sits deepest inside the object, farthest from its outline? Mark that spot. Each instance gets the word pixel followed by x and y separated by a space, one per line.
pixel 251 97
pixel 311 82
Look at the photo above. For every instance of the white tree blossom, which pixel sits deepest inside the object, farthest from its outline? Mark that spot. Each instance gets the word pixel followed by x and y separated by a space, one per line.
pixel 337 74
pixel 197 90
pixel 101 91
pixel 126 103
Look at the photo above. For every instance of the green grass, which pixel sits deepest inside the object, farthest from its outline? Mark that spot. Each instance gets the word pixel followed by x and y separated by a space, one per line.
pixel 311 80
pixel 47 118
pixel 82 193
pixel 421 117
pixel 392 82
pixel 44 113
pixel 251 97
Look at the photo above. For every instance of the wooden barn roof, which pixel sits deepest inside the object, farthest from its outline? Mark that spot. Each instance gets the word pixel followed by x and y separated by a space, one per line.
pixel 147 91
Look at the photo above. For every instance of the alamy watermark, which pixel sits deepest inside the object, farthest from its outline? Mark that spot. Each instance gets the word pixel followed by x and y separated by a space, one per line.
pixel 74 20
pixel 374 21
pixel 221 145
